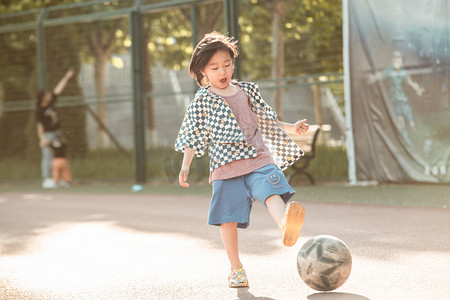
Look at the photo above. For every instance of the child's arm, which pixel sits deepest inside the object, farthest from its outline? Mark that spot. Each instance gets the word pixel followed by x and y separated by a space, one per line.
pixel 419 90
pixel 184 172
pixel 300 127
pixel 63 82
pixel 371 78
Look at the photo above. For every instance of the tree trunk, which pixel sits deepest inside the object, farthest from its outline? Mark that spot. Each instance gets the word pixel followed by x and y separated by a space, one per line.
pixel 100 74
pixel 100 41
pixel 278 8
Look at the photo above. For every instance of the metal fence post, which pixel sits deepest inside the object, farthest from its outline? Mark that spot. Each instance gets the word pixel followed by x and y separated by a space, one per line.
pixel 41 51
pixel 138 94
pixel 231 10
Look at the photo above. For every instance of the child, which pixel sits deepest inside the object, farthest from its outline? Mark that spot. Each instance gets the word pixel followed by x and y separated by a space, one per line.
pixel 246 147
pixel 48 125
pixel 60 165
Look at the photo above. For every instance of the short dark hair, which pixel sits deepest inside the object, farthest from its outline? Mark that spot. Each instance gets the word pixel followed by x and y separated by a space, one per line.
pixel 39 96
pixel 206 48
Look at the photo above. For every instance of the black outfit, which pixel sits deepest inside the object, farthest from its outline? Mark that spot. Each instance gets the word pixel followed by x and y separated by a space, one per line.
pixel 48 116
pixel 58 147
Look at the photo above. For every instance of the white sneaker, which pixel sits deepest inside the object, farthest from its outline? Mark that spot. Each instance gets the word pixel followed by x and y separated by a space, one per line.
pixel 49 184
pixel 435 171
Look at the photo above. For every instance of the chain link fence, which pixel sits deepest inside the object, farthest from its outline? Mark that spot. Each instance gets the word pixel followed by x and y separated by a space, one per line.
pixel 121 111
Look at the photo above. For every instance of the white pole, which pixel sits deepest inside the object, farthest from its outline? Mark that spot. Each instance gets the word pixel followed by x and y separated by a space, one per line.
pixel 350 146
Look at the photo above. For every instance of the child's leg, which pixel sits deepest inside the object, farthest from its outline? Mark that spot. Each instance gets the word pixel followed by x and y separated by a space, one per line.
pixel 46 162
pixel 230 241
pixel 56 169
pixel 276 207
pixel 289 218
pixel 66 173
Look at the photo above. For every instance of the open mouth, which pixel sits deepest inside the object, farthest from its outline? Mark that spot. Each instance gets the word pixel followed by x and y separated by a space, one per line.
pixel 223 80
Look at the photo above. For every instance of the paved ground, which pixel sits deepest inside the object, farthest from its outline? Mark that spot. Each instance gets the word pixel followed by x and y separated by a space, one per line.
pixel 56 245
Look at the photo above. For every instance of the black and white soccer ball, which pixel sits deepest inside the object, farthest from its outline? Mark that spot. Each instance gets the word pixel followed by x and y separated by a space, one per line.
pixel 324 263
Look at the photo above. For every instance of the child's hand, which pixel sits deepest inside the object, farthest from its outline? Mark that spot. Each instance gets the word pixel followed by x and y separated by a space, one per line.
pixel 182 178
pixel 301 127
pixel 420 90
pixel 70 72
pixel 43 143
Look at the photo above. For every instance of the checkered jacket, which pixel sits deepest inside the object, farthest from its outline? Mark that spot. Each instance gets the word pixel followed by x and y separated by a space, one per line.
pixel 209 121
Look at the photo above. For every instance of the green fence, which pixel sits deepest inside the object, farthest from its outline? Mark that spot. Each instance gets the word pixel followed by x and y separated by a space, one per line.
pixel 122 110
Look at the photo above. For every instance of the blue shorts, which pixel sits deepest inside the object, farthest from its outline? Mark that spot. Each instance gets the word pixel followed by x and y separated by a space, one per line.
pixel 232 198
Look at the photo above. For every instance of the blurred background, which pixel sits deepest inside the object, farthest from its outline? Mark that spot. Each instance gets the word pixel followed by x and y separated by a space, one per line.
pixel 122 110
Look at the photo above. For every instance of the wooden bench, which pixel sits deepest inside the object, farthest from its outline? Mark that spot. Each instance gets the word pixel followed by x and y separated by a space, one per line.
pixel 307 142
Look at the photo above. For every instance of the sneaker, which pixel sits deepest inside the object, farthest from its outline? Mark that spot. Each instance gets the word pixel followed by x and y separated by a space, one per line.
pixel 435 171
pixel 292 222
pixel 48 183
pixel 237 278
pixel 64 184
pixel 443 170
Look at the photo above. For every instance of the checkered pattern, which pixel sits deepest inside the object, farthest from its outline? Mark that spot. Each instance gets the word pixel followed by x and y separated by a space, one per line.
pixel 209 121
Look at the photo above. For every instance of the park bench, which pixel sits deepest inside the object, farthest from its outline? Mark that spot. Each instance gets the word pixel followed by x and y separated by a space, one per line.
pixel 307 142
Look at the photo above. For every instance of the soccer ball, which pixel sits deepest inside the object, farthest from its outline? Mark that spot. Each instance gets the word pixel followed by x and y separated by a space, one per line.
pixel 324 263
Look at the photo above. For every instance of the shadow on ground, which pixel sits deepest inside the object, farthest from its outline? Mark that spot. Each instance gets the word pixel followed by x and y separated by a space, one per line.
pixel 244 294
pixel 335 296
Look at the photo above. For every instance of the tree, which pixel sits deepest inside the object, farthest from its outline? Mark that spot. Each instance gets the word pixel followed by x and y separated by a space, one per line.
pixel 167 38
pixel 311 31
pixel 103 38
pixel 278 9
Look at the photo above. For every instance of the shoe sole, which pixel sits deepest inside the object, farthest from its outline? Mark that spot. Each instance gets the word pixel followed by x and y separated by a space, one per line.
pixel 293 225
pixel 240 285
pixel 237 286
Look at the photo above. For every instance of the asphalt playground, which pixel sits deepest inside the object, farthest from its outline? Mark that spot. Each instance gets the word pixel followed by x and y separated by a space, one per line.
pixel 65 245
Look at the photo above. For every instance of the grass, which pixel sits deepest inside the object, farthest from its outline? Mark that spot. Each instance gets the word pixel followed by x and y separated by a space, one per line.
pixel 108 171
pixel 162 164
pixel 421 195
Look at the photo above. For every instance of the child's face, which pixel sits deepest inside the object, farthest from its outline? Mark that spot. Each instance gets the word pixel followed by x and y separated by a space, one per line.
pixel 397 62
pixel 219 69
pixel 46 99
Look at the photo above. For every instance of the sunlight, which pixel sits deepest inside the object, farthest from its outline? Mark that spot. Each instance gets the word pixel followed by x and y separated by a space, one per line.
pixel 97 256
pixel 37 197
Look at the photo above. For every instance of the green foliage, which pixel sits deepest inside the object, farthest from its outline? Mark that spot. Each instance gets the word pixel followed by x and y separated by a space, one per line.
pixel 312 33
pixel 170 33
pixel 330 163
pixel 255 42
pixel 170 42
pixel 11 6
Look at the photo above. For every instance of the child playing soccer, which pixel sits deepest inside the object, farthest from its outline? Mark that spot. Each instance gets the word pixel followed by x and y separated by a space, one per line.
pixel 248 148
